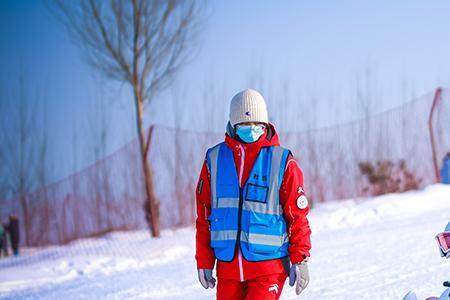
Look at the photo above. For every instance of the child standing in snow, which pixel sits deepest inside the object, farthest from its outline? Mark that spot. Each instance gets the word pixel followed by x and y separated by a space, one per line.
pixel 251 209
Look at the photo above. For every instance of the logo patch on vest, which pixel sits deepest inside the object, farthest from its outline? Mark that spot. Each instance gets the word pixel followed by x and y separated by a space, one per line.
pixel 256 176
pixel 302 202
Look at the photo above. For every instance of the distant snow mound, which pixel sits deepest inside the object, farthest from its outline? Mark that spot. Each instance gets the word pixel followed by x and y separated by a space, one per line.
pixel 362 212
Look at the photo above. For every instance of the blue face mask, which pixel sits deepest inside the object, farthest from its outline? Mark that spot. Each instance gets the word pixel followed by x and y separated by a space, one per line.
pixel 249 133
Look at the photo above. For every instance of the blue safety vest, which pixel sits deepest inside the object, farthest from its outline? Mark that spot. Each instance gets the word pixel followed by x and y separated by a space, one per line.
pixel 251 215
pixel 445 171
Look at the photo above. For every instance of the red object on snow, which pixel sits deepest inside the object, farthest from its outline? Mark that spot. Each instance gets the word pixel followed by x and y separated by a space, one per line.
pixel 297 223
pixel 443 240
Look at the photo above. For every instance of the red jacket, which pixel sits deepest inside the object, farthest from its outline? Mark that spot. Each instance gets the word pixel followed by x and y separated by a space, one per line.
pixel 296 218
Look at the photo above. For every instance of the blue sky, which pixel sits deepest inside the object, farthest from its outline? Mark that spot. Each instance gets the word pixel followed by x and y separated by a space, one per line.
pixel 317 49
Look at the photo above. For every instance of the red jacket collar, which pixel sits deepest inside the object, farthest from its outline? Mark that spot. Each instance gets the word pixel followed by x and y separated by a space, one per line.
pixel 269 138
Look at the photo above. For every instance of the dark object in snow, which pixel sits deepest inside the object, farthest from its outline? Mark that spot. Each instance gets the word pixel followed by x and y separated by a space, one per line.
pixel 13 231
pixel 3 241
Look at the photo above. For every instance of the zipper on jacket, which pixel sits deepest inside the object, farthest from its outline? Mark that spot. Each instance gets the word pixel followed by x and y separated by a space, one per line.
pixel 238 239
pixel 241 202
pixel 241 270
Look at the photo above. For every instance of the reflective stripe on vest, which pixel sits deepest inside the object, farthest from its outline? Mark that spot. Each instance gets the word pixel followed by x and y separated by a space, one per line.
pixel 263 228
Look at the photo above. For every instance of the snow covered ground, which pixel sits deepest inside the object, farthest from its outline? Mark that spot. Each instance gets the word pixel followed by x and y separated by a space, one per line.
pixel 369 249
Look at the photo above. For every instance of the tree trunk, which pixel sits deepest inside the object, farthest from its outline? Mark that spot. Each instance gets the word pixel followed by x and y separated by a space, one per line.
pixel 437 97
pixel 26 217
pixel 151 203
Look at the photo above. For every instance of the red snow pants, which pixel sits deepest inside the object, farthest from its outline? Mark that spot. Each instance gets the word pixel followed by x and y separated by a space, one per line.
pixel 267 287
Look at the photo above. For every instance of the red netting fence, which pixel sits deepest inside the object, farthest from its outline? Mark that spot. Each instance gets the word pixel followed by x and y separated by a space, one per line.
pixel 109 195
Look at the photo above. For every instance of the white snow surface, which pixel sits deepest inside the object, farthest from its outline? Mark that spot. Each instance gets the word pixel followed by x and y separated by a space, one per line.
pixel 378 248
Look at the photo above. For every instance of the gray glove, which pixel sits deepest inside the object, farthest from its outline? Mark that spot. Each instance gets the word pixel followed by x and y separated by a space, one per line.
pixel 299 274
pixel 206 279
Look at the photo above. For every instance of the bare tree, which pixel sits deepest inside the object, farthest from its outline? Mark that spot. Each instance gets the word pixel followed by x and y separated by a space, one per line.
pixel 23 149
pixel 142 43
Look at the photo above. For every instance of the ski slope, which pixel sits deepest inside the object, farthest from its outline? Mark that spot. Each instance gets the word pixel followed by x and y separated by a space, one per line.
pixel 378 248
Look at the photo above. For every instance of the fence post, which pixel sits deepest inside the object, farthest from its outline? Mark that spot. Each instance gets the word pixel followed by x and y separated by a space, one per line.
pixel 437 97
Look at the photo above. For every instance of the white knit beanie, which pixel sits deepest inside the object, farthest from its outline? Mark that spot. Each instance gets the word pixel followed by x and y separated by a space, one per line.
pixel 248 106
